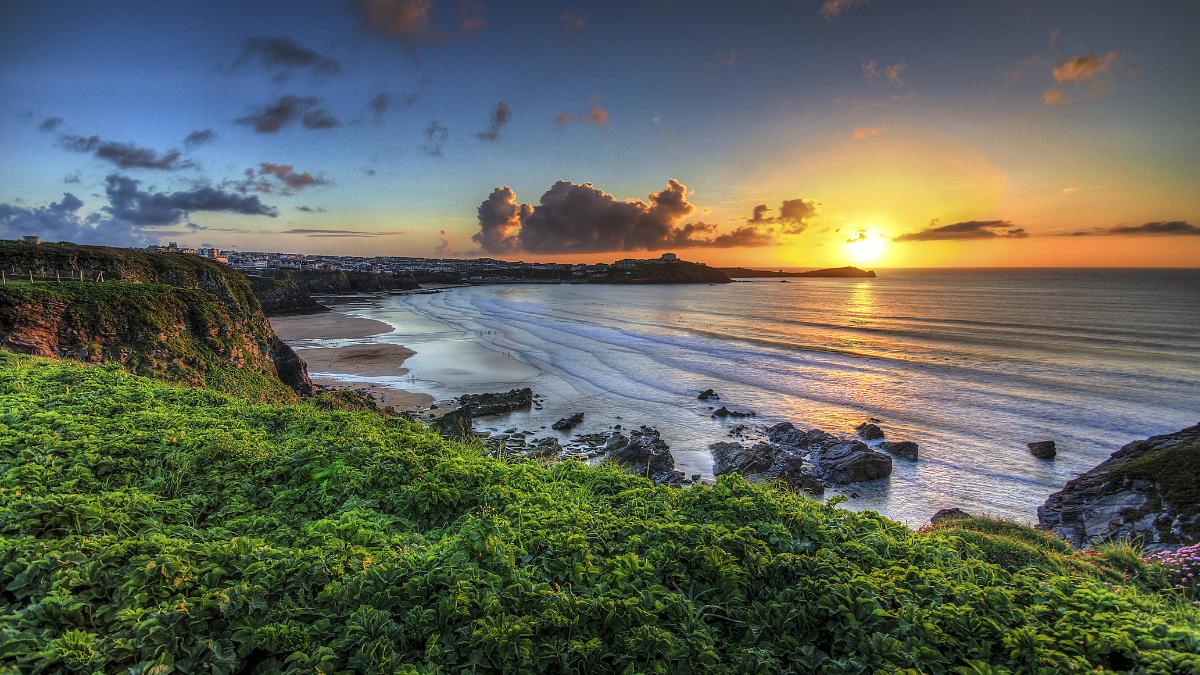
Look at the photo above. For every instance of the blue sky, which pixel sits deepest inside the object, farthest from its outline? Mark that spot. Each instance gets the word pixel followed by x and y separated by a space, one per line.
pixel 745 103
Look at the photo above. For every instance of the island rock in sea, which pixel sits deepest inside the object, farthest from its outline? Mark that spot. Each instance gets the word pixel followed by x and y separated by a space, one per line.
pixel 482 405
pixel 1148 491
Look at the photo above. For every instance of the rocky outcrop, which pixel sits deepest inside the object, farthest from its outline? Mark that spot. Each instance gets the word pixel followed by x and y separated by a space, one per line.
pixel 902 449
pixel 1149 491
pixel 568 423
pixel 1042 449
pixel 948 514
pixel 644 453
pixel 482 405
pixel 708 394
pixel 869 431
pixel 785 433
pixel 765 461
pixel 844 462
pixel 456 424
pixel 332 282
pixel 726 412
pixel 837 272
pixel 281 297
pixel 172 316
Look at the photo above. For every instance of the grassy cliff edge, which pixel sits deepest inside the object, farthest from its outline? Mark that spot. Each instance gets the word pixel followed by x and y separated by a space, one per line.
pixel 146 525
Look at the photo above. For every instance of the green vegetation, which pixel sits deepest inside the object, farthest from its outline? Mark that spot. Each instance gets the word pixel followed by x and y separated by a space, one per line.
pixel 158 528
pixel 1173 469
pixel 183 335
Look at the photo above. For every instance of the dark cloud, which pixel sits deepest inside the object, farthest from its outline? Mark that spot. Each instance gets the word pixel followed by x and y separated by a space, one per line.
pixel 72 178
pixel 272 178
pixel 286 55
pixel 578 218
pixel 793 215
pixel 288 110
pixel 129 203
pixel 443 245
pixel 382 102
pixel 61 221
pixel 50 124
pixel 574 21
pixel 200 137
pixel 311 209
pixel 435 137
pixel 500 116
pixel 286 174
pixel 1160 228
pixel 971 229
pixel 341 233
pixel 125 155
pixel 407 21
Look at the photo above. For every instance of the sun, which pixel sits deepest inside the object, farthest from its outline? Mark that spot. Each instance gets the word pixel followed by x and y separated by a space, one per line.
pixel 866 247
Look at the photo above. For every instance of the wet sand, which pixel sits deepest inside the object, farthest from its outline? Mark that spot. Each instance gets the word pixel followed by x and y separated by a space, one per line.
pixel 326 326
pixel 346 367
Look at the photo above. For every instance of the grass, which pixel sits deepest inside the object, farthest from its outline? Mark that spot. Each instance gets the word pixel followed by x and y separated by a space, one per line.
pixel 156 528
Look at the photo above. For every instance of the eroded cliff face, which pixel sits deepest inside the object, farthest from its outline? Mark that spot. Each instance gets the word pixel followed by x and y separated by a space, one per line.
pixel 1148 491
pixel 171 316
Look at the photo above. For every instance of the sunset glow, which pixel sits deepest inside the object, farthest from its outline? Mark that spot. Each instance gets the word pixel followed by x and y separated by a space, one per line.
pixel 868 247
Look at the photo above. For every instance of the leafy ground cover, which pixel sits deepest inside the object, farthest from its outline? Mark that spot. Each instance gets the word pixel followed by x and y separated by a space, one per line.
pixel 158 528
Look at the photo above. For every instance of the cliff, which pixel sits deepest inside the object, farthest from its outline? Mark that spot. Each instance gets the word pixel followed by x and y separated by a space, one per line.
pixel 173 316
pixel 835 272
pixel 332 282
pixel 1149 491
pixel 280 297
pixel 655 272
pixel 150 527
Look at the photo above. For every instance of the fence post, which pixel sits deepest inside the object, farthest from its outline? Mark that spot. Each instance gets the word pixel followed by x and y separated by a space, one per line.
pixel 30 275
pixel 58 276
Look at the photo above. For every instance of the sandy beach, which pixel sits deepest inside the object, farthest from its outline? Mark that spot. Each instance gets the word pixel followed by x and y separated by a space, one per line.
pixel 344 367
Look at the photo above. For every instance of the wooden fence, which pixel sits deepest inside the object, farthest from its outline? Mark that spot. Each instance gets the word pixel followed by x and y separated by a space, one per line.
pixel 59 276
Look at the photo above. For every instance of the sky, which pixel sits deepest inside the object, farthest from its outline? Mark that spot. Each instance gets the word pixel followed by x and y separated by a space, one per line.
pixel 805 133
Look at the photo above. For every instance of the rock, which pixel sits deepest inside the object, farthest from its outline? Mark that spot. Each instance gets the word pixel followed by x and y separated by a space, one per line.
pixel 869 431
pixel 765 461
pixel 695 478
pixel 545 447
pixel 851 461
pixel 726 412
pixel 903 449
pixel 615 442
pixel 644 453
pixel 568 423
pixel 1042 449
pixel 455 424
pixel 948 514
pixel 737 458
pixel 482 405
pixel 785 433
pixel 1148 491
pixel 708 394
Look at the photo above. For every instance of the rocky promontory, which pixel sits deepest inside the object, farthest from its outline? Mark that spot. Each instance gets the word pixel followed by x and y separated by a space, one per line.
pixel 1149 491
pixel 834 272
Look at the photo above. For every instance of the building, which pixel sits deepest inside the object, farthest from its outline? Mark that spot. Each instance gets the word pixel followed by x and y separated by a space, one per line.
pixel 669 257
pixel 34 239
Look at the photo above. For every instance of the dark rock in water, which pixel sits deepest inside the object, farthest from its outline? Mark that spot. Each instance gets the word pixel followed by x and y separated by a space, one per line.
pixel 644 453
pixel 454 424
pixel 869 431
pixel 1148 491
pixel 726 412
pixel 785 433
pixel 904 449
pixel 852 461
pixel 765 461
pixel 545 447
pixel 708 394
pixel 948 514
pixel 695 478
pixel 482 405
pixel 568 423
pixel 1042 449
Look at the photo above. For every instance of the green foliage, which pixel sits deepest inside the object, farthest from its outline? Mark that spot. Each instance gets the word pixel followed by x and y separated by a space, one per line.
pixel 1173 469
pixel 156 528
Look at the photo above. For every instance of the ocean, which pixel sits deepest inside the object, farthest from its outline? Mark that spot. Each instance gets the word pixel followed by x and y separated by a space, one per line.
pixel 969 364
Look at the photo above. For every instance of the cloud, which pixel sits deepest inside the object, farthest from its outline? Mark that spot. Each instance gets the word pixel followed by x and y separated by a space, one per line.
pixel 50 124
pixel 574 20
pixel 894 72
pixel 1055 96
pixel 579 218
pixel 727 59
pixel 129 203
pixel 125 155
pixel 1085 67
pixel 443 246
pixel 861 133
pixel 871 70
pixel 596 116
pixel 271 178
pixel 288 110
pixel 382 102
pixel 311 209
pixel 470 16
pixel 342 233
pixel 1158 228
pixel 971 229
pixel 1070 190
pixel 435 137
pixel 500 116
pixel 285 54
pixel 832 9
pixel 405 20
pixel 72 178
pixel 857 236
pixel 61 221
pixel 1054 35
pixel 793 215
pixel 200 137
